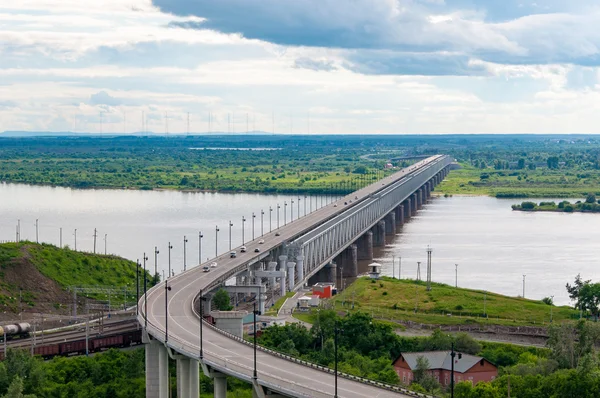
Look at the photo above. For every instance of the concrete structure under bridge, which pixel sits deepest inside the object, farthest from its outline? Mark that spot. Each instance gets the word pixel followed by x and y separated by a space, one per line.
pixel 345 230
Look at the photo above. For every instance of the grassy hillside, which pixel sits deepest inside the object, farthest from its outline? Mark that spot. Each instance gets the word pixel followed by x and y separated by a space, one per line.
pixel 445 305
pixel 35 277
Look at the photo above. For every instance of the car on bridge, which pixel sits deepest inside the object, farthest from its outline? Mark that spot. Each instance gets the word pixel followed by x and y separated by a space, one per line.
pixel 232 254
pixel 206 268
pixel 243 249
pixel 257 250
pixel 260 242
pixel 213 264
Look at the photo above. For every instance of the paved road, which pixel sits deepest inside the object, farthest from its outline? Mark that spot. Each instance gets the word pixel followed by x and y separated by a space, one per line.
pixel 233 357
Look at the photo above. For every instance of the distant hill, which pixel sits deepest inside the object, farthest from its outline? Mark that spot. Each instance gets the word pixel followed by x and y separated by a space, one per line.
pixel 25 134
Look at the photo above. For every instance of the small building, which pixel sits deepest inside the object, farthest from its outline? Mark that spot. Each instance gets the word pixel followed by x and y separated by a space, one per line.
pixel 388 166
pixel 304 304
pixel 466 368
pixel 324 290
pixel 374 270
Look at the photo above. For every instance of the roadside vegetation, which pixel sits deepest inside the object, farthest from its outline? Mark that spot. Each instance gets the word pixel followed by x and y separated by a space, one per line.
pixel 36 277
pixel 408 300
pixel 589 205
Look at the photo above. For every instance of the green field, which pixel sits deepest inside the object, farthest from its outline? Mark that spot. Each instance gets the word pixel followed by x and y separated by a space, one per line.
pixel 395 300
pixel 539 183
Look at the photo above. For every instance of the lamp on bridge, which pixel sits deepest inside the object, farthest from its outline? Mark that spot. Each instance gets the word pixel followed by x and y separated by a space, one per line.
pixel 255 374
pixel 270 214
pixel 200 236
pixel 336 331
pixel 156 263
pixel 145 291
pixel 216 240
pixel 278 207
pixel 284 213
pixel 253 217
pixel 184 251
pixel 137 286
pixel 243 225
pixel 230 225
pixel 262 214
pixel 169 255
pixel 202 299
pixel 292 211
pixel 167 289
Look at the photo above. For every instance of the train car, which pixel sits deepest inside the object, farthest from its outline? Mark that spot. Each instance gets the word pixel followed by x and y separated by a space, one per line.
pixel 15 330
pixel 72 347
pixel 47 351
pixel 132 338
pixel 106 342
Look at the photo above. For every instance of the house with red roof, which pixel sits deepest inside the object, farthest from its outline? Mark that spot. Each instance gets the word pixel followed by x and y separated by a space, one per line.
pixel 466 367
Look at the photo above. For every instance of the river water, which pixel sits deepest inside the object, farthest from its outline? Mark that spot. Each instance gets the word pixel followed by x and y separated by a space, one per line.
pixel 492 245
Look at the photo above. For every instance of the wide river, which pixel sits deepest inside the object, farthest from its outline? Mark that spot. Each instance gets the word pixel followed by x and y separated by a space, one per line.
pixel 492 245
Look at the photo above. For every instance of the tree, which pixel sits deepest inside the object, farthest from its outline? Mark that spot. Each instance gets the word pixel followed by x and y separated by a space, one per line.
pixel 221 300
pixel 521 164
pixel 423 376
pixel 552 162
pixel 591 198
pixel 467 344
pixel 463 389
pixel 360 170
pixel 15 390
pixel 548 300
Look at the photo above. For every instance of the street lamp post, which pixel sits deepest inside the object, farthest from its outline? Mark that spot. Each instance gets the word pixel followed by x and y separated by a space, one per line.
pixel 278 207
pixel 298 207
pixel 292 210
pixel 253 217
pixel 145 296
pixel 105 244
pixel 255 374
pixel 75 233
pixel 200 236
pixel 284 213
pixel 167 289
pixel 270 215
pixel 304 204
pixel 453 355
pixel 216 240
pixel 243 224
pixel 184 252
pixel 202 299
pixel 230 225
pixel 155 261
pixel 524 285
pixel 335 341
pixel 169 255
pixel 137 286
pixel 262 215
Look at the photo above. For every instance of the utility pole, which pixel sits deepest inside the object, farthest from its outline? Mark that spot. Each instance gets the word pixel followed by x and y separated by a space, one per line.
pixel 169 252
pixel 418 270
pixel 216 241
pixel 60 238
pixel 184 252
pixel 155 261
pixel 524 285
pixel 105 235
pixel 393 267
pixel 484 304
pixel 399 267
pixel 428 268
pixel 75 239
pixel 95 236
pixel 200 236
pixel 551 305
pixel 37 240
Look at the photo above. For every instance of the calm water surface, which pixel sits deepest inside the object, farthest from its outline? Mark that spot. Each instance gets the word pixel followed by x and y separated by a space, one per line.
pixel 492 245
pixel 495 246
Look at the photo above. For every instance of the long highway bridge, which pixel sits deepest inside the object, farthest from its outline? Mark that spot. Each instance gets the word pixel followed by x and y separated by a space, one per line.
pixel 341 232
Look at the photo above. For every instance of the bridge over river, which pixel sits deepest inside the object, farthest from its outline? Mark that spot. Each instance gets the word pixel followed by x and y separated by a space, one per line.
pixel 337 234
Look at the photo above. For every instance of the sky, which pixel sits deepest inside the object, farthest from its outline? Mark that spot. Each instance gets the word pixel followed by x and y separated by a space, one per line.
pixel 300 66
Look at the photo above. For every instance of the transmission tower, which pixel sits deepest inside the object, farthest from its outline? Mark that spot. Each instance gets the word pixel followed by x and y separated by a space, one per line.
pixel 428 268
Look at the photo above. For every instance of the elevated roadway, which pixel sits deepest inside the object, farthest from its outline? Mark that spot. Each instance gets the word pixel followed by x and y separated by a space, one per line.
pixel 224 355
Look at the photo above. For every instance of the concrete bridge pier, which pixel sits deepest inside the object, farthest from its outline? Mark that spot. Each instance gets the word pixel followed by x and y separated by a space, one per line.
pixel 282 267
pixel 157 368
pixel 379 234
pixel 365 246
pixel 390 224
pixel 420 198
pixel 348 261
pixel 332 272
pixel 300 267
pixel 414 198
pixel 220 385
pixel 272 266
pixel 291 267
pixel 400 215
pixel 407 209
pixel 183 377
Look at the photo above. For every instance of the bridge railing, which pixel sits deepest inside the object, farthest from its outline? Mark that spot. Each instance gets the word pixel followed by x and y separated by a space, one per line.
pixel 330 242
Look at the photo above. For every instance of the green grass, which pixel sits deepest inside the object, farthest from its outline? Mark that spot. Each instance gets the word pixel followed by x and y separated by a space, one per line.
pixel 275 309
pixel 539 183
pixel 64 266
pixel 392 299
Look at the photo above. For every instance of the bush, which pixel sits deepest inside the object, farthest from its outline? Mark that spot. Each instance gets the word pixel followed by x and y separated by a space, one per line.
pixel 568 208
pixel 528 205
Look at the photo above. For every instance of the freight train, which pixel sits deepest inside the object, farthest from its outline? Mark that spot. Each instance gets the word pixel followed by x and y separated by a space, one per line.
pixel 15 330
pixel 95 344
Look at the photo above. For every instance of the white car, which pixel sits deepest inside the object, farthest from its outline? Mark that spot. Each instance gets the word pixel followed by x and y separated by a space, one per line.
pixel 243 249
pixel 213 265
pixel 260 242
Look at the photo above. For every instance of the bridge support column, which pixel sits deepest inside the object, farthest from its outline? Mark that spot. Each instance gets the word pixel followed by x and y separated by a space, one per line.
pixel 332 272
pixel 194 378
pixel 414 204
pixel 272 267
pixel 282 265
pixel 183 377
pixel 400 214
pixel 152 369
pixel 291 266
pixel 163 371
pixel 365 246
pixel 349 261
pixel 420 198
pixel 390 224
pixel 379 234
pixel 408 209
pixel 220 382
pixel 300 267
